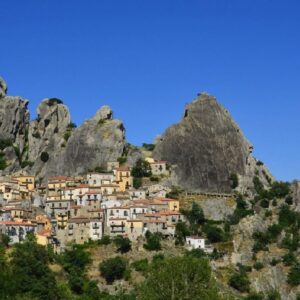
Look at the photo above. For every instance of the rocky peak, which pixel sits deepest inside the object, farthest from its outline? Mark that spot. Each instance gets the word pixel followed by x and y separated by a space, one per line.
pixel 206 148
pixel 104 113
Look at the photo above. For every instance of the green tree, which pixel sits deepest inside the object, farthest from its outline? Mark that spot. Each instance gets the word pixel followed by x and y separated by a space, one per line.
pixel 31 273
pixel 179 278
pixel 152 241
pixel 181 232
pixel 113 269
pixel 240 281
pixel 123 244
pixel 141 169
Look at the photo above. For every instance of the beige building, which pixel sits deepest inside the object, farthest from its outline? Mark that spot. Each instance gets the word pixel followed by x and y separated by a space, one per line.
pixel 123 178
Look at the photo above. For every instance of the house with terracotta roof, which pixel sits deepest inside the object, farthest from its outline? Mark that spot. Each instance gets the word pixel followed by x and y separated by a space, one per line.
pixel 159 168
pixel 17 230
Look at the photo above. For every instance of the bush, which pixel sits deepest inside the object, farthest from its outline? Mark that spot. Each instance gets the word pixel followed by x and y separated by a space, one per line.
pixel 214 234
pixel 294 275
pixel 258 186
pixel 291 242
pixel 181 232
pixel 113 269
pixel 149 147
pixel 234 181
pixel 105 240
pixel 123 244
pixel 240 282
pixel 141 169
pixel 54 101
pixel 3 163
pixel 197 253
pixel 67 135
pixel 244 268
pixel 274 262
pixel 287 217
pixel 72 125
pixel 273 295
pixel 26 163
pixel 137 182
pixel 122 160
pixel 255 296
pixel 289 259
pixel 141 265
pixel 258 265
pixel 264 203
pixel 273 232
pixel 152 241
pixel 44 157
pixel 289 200
pixel 280 189
pixel 4 143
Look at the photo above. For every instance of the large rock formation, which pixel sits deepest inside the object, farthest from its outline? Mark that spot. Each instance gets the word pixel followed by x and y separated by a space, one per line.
pixel 14 118
pixel 206 148
pixel 95 142
pixel 51 145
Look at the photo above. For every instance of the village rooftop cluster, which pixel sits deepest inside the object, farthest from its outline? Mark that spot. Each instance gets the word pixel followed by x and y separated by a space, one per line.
pixel 81 208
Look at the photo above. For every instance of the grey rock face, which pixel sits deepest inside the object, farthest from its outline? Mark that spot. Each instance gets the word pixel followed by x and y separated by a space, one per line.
pixel 95 142
pixel 206 147
pixel 46 134
pixel 14 120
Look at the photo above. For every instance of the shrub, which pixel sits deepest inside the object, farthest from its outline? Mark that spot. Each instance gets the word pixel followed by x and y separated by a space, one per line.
pixel 289 259
pixel 287 217
pixel 280 189
pixel 3 163
pixel 122 160
pixel 105 240
pixel 214 234
pixel 142 168
pixel 274 262
pixel 152 241
pixel 258 186
pixel 244 268
pixel 273 295
pixel 195 253
pixel 234 181
pixel 258 265
pixel 123 244
pixel 54 101
pixel 264 203
pixel 26 163
pixel 294 275
pixel 44 157
pixel 141 265
pixel 240 282
pixel 273 231
pixel 181 232
pixel 149 147
pixel 4 143
pixel 67 135
pixel 291 242
pixel 72 125
pixel 113 269
pixel 137 182
pixel 255 296
pixel 259 163
pixel 289 200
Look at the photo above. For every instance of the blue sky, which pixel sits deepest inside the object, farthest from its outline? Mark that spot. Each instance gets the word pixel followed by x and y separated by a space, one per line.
pixel 147 59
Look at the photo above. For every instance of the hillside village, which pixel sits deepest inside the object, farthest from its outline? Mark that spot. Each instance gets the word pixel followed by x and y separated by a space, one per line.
pixel 78 209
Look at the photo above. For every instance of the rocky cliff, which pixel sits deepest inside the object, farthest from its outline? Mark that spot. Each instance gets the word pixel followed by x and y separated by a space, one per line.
pixel 207 147
pixel 51 144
